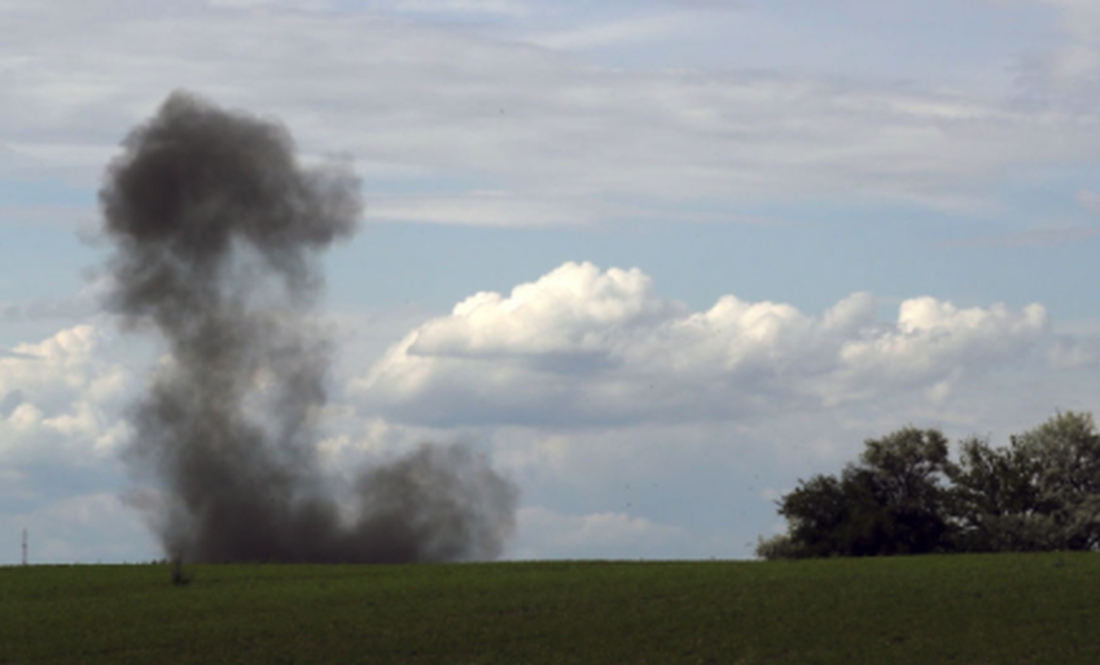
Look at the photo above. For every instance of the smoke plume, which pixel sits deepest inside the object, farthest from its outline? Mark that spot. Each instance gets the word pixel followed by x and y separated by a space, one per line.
pixel 217 231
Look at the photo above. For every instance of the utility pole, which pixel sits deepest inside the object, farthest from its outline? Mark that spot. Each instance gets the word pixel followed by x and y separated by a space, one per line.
pixel 24 547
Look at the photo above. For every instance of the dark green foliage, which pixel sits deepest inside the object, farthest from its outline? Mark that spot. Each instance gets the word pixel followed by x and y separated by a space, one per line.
pixel 1042 492
pixel 892 502
pixel 1011 609
pixel 996 501
pixel 818 513
pixel 1064 456
pixel 781 546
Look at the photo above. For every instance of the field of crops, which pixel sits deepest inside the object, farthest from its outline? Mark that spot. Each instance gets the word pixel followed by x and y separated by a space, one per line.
pixel 1041 608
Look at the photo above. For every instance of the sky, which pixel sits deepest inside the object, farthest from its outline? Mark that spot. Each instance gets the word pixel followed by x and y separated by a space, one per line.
pixel 657 260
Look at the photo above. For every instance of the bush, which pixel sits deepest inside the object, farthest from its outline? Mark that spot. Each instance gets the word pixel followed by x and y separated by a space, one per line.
pixel 777 547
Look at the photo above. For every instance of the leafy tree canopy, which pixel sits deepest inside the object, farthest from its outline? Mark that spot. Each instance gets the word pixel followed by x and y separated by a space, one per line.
pixel 906 496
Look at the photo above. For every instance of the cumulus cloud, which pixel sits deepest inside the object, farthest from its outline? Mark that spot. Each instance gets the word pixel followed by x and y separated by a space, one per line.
pixel 582 346
pixel 61 400
pixel 62 426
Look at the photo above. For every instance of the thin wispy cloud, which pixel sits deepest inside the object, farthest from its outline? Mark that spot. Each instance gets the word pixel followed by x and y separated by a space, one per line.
pixel 1051 237
pixel 529 121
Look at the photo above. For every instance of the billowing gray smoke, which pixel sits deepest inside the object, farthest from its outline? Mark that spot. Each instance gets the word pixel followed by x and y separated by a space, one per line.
pixel 217 230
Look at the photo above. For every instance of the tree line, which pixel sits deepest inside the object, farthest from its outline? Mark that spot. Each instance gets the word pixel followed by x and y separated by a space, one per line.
pixel 906 495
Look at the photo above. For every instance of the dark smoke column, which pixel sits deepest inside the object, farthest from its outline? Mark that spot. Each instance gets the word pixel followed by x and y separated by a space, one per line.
pixel 217 230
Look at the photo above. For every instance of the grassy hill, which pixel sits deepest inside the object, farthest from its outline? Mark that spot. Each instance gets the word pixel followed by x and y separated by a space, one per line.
pixel 1041 608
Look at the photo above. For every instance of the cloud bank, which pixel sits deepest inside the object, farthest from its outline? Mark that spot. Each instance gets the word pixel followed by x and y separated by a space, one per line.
pixel 582 346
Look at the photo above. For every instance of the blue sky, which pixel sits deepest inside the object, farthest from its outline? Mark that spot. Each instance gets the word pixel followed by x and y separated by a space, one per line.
pixel 718 244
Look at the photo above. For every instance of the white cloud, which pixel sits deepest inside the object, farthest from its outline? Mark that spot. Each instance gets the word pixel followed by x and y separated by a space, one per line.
pixel 62 400
pixel 1062 76
pixel 626 31
pixel 491 7
pixel 478 208
pixel 932 341
pixel 582 346
pixel 1070 353
pixel 62 428
pixel 431 104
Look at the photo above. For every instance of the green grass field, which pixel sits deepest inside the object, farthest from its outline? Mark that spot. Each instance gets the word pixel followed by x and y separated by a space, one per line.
pixel 1041 608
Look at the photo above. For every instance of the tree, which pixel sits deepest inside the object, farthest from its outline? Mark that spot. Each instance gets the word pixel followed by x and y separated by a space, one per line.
pixel 819 513
pixel 1042 492
pixel 892 502
pixel 996 504
pixel 909 467
pixel 1063 459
